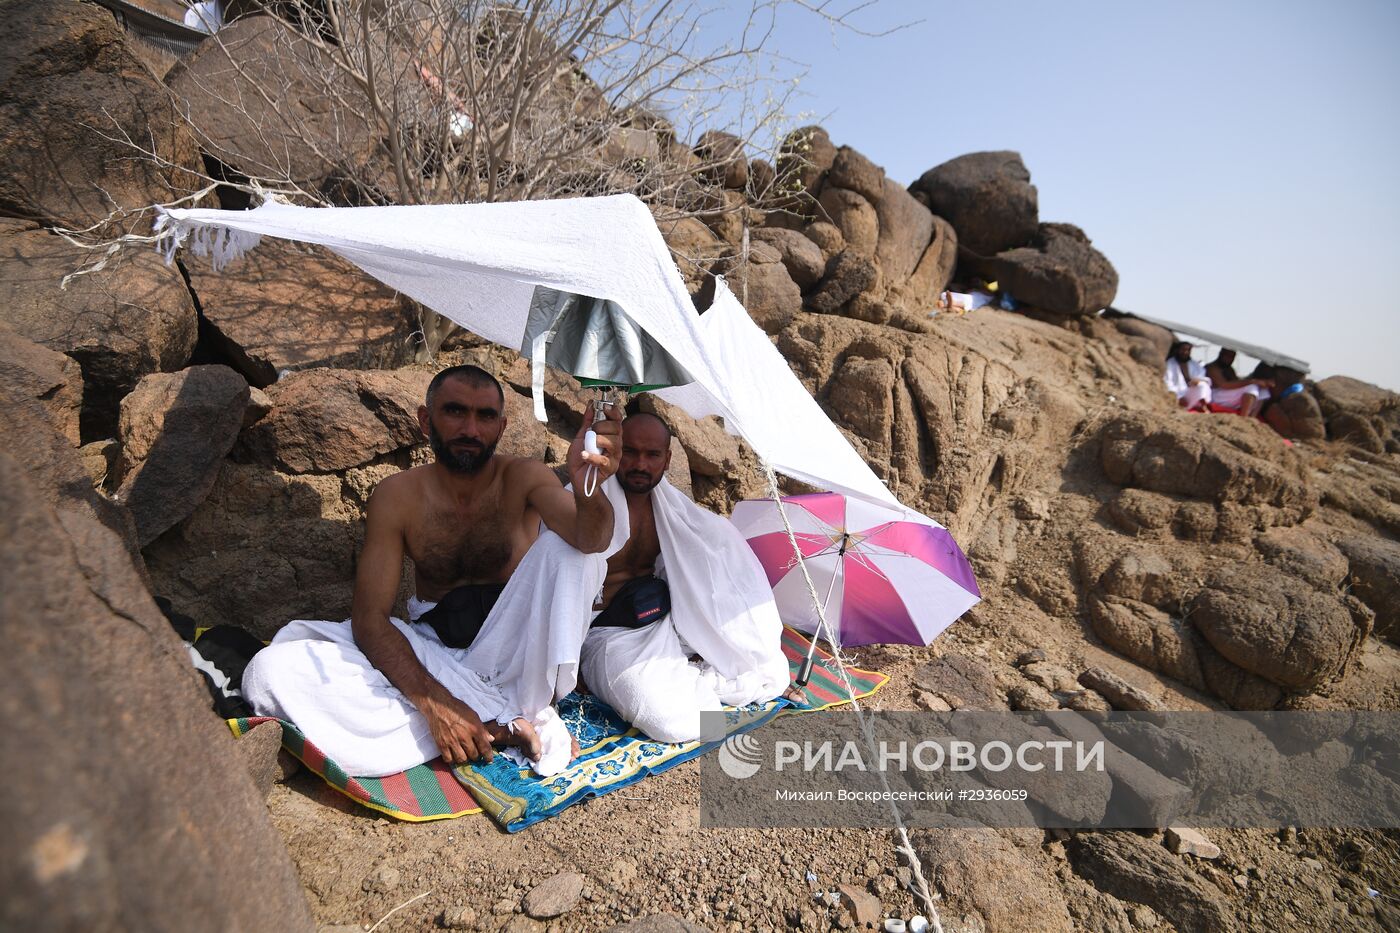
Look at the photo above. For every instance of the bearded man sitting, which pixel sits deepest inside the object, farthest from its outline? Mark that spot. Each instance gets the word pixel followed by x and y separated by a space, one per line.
pixel 506 563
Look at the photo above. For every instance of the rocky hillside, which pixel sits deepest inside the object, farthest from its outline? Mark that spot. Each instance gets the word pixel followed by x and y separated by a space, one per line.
pixel 211 438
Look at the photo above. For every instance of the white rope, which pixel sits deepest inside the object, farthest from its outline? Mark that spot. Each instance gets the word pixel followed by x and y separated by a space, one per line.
pixel 867 726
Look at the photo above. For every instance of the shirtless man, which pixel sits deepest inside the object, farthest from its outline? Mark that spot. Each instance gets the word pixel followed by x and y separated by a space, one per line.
pixel 646 455
pixel 624 639
pixel 467 521
pixel 1230 391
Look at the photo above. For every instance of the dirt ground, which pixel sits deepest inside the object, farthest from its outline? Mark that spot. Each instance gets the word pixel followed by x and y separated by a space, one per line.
pixel 643 852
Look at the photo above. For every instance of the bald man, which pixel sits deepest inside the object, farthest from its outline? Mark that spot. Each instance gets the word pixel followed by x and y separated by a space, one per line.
pixel 660 663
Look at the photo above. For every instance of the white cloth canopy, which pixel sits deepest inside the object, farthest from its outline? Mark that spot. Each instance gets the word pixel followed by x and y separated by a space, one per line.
pixel 479 266
pixel 1263 354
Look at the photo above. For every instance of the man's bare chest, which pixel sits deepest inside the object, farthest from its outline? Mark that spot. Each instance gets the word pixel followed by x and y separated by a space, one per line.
pixel 454 545
pixel 642 549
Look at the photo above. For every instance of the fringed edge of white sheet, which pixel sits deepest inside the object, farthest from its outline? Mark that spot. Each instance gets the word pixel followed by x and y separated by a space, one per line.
pixel 222 245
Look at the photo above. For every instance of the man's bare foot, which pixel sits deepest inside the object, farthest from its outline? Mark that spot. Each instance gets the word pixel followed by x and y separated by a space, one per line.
pixel 796 694
pixel 523 737
pixel 574 749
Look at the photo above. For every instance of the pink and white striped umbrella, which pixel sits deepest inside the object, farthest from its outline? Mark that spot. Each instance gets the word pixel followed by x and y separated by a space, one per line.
pixel 884 579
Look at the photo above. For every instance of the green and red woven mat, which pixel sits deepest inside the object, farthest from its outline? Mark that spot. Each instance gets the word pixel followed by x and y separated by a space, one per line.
pixel 825 687
pixel 425 792
pixel 432 792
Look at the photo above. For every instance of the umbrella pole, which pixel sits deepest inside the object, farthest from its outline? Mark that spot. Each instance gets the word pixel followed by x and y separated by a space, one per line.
pixel 804 673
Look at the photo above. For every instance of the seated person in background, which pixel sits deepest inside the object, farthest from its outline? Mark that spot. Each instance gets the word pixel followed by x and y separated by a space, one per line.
pixel 505 564
pixel 963 302
pixel 1186 378
pixel 640 656
pixel 1230 391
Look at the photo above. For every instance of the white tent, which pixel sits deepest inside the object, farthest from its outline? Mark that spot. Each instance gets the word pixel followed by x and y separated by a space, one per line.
pixel 480 265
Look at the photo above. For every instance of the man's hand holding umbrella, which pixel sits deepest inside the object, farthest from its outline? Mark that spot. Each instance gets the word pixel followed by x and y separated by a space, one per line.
pixel 607 440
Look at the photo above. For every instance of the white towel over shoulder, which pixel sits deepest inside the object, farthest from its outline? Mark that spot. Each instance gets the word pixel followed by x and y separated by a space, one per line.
pixel 721 609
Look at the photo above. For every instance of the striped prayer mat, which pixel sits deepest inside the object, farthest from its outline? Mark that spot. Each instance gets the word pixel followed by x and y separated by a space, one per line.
pixel 426 792
pixel 614 755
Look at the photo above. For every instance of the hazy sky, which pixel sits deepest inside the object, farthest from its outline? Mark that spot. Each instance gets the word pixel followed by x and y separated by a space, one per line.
pixel 1238 162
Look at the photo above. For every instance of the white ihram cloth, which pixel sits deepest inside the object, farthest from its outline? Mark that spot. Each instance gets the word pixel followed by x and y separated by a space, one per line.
pixel 1190 393
pixel 1234 398
pixel 721 609
pixel 525 658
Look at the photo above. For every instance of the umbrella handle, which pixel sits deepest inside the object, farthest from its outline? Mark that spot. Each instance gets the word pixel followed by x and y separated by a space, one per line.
pixel 590 476
pixel 804 674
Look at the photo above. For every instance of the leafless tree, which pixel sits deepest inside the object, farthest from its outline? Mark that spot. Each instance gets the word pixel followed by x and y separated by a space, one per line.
pixel 453 101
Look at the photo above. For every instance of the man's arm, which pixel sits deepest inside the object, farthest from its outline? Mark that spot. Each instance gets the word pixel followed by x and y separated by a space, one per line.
pixel 1217 379
pixel 456 728
pixel 586 522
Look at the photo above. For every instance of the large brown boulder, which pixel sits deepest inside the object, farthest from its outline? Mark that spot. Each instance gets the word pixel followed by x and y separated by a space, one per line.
pixel 1140 603
pixel 128 806
pixel 265 101
pixel 861 395
pixel 767 292
pixel 848 273
pixel 1220 459
pixel 266 547
pixel 1060 271
pixel 285 307
pixel 1149 636
pixel 40 446
pixel 325 420
pixel 694 247
pixel 727 218
pixel 176 429
pixel 1277 627
pixel 723 153
pixel 1151 342
pixel 933 272
pixel 1135 869
pixel 29 371
pixel 71 96
pixel 132 318
pixel 1305 556
pixel 987 197
pixel 805 156
pixel 1367 487
pixel 827 236
pixel 1350 428
pixel 853 171
pixel 1297 416
pixel 906 229
pixel 800 256
pixel 1375 572
pixel 854 216
pixel 1360 413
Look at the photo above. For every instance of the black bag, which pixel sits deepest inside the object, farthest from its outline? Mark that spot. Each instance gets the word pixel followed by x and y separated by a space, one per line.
pixel 637 603
pixel 458 616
